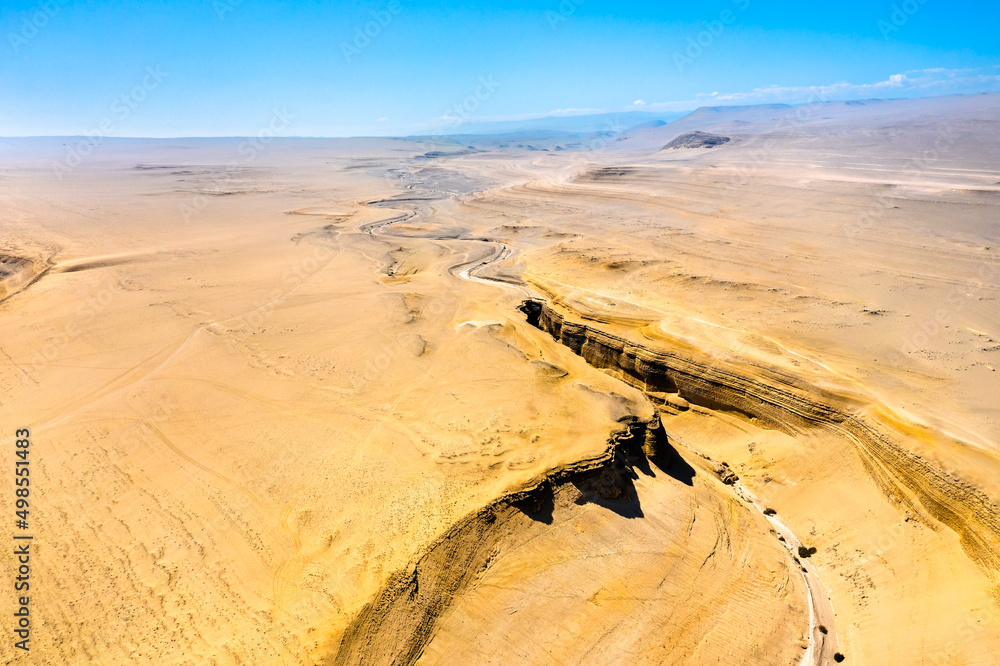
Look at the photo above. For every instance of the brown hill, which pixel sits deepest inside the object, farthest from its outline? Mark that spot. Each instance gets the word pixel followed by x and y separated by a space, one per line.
pixel 696 139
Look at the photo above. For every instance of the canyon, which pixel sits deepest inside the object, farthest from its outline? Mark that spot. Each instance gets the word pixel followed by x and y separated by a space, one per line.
pixel 369 401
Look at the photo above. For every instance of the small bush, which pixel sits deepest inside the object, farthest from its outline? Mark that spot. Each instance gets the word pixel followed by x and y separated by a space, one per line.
pixel 838 657
pixel 822 629
pixel 769 512
pixel 806 552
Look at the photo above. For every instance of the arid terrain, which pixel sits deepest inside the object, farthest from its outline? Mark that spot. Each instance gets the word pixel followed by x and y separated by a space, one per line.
pixel 567 400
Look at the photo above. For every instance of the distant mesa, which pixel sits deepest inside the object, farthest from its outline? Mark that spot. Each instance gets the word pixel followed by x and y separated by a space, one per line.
pixel 696 140
pixel 434 154
pixel 652 124
pixel 611 174
pixel 864 102
pixel 730 109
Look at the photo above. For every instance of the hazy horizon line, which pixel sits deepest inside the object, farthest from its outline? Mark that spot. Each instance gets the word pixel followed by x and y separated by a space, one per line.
pixel 526 118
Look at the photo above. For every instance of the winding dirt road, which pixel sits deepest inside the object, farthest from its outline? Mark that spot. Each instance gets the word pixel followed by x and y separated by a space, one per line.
pixel 822 634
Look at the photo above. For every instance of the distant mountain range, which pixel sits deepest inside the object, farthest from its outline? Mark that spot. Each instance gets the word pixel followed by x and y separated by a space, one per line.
pixel 632 125
pixel 586 124
pixel 646 132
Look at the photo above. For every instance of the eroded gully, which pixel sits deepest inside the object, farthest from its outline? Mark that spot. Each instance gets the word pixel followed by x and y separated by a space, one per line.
pixel 822 643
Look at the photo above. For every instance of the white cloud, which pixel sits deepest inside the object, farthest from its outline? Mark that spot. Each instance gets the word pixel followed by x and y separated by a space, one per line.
pixel 559 113
pixel 921 81
pixel 911 83
pixel 574 112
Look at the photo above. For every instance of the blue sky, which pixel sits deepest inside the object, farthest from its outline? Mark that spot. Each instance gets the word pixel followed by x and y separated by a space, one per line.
pixel 223 67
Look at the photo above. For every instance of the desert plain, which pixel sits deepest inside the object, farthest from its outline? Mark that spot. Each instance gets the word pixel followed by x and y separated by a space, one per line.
pixel 721 390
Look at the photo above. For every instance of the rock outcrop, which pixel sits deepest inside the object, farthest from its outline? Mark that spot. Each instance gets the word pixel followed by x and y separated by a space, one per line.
pixel 17 273
pixel 775 400
pixel 696 139
pixel 395 627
